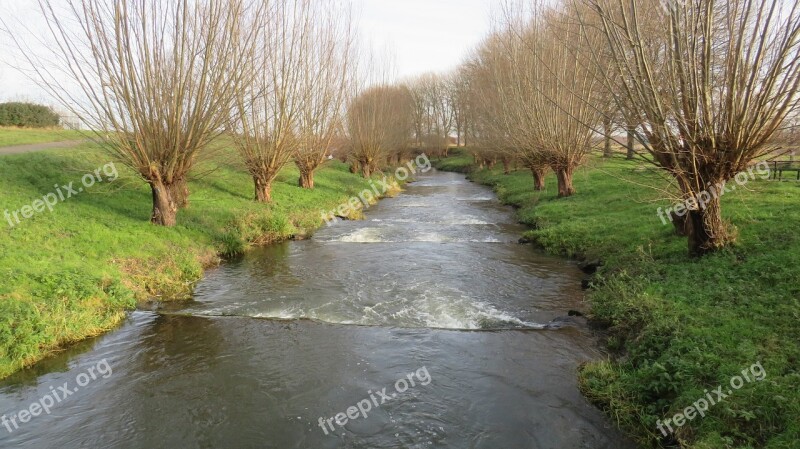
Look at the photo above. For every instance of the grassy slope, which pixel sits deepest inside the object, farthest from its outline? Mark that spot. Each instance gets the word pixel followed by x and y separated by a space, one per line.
pixel 73 272
pixel 680 326
pixel 23 136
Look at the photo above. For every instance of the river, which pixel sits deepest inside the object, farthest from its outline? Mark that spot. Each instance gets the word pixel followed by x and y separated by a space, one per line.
pixel 426 325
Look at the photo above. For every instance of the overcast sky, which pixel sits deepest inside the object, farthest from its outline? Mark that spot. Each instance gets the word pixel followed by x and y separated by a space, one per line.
pixel 425 35
pixel 422 35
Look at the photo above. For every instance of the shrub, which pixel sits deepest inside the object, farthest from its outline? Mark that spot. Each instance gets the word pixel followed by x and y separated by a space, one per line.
pixel 27 115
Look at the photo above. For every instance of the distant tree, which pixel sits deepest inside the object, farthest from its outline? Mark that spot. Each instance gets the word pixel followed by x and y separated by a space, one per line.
pixel 432 112
pixel 379 123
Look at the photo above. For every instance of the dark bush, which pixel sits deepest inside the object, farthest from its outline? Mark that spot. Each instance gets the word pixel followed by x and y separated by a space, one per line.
pixel 27 115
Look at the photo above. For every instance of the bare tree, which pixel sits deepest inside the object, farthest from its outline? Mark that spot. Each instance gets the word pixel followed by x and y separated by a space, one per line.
pixel 538 85
pixel 501 127
pixel 328 80
pixel 433 111
pixel 458 90
pixel 710 83
pixel 155 77
pixel 379 122
pixel 266 111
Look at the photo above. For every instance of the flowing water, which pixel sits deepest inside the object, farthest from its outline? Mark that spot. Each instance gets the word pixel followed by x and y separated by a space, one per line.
pixel 426 323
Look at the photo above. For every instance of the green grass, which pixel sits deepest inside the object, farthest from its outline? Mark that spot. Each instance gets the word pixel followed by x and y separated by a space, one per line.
pixel 73 272
pixel 24 136
pixel 678 326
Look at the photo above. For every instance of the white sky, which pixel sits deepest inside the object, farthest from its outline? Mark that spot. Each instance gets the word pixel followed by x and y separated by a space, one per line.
pixel 425 35
pixel 421 35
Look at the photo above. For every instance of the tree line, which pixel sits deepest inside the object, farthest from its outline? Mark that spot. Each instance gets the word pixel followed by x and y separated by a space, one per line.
pixel 703 87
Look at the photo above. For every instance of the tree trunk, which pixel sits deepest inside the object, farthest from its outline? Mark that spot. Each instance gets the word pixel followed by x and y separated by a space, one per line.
pixel 681 224
pixel 307 179
pixel 165 211
pixel 631 143
pixel 607 130
pixel 506 166
pixel 706 229
pixel 366 169
pixel 538 178
pixel 354 168
pixel 263 189
pixel 565 187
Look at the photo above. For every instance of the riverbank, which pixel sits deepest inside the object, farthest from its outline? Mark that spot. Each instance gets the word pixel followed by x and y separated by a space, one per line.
pixel 73 273
pixel 679 328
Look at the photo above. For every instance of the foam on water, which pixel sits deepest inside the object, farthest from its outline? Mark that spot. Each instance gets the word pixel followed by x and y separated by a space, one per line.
pixel 363 235
pixel 431 308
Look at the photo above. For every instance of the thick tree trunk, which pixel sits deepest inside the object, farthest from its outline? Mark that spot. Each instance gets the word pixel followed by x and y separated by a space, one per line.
pixel 366 168
pixel 263 189
pixel 307 179
pixel 706 229
pixel 631 143
pixel 538 178
pixel 165 211
pixel 565 187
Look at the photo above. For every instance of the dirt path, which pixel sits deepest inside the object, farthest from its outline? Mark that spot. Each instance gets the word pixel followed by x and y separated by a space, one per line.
pixel 17 149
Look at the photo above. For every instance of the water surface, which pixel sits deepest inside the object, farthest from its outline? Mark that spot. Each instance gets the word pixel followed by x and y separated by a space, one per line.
pixel 432 280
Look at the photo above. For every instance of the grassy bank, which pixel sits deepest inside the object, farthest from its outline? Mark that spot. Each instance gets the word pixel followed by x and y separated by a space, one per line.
pixel 679 327
pixel 24 136
pixel 73 272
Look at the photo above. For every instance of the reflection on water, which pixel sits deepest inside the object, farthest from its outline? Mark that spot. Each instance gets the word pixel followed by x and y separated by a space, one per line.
pixel 301 331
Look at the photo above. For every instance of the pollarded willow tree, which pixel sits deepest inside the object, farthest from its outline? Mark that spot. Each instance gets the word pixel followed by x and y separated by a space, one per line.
pixel 379 123
pixel 710 83
pixel 500 132
pixel 328 78
pixel 156 78
pixel 263 122
pixel 553 82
